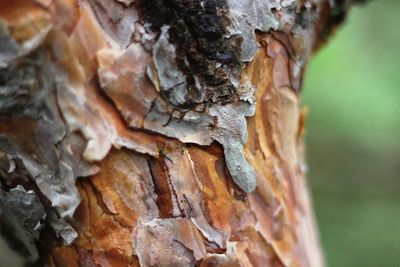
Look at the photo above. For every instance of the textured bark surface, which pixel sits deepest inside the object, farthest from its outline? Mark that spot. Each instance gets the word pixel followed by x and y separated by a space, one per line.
pixel 157 132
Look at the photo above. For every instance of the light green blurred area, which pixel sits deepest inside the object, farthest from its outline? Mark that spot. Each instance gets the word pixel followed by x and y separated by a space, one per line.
pixel 352 87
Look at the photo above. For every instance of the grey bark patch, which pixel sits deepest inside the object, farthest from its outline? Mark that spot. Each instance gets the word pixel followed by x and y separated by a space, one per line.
pixel 9 49
pixel 23 89
pixel 57 185
pixel 62 229
pixel 172 80
pixel 21 218
pixel 31 100
pixel 231 133
pixel 245 18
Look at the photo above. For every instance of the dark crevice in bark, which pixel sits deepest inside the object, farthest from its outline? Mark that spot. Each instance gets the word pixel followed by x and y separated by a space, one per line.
pixel 161 187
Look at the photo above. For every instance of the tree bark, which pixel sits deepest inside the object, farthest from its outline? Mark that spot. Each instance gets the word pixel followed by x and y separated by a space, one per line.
pixel 157 132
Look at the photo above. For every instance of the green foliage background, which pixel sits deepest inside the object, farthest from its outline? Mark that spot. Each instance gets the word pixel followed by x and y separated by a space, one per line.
pixel 352 87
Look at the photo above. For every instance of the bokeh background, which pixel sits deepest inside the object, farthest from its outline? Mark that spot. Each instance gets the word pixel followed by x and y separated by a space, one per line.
pixel 352 88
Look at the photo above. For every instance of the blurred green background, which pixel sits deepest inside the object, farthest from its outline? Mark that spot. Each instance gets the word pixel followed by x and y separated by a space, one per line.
pixel 352 88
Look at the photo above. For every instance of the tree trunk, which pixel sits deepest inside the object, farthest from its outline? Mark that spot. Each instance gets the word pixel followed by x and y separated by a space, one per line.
pixel 157 132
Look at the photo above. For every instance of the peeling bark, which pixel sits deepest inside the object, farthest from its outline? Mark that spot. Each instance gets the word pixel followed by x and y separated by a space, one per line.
pixel 157 132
